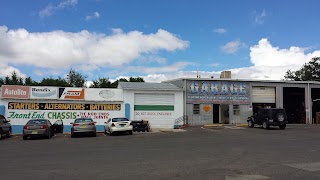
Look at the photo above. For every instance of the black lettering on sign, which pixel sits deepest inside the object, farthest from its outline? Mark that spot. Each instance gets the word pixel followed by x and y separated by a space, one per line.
pixel 63 106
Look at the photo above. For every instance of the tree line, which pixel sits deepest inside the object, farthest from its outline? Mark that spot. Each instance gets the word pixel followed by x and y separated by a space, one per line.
pixel 73 79
pixel 308 72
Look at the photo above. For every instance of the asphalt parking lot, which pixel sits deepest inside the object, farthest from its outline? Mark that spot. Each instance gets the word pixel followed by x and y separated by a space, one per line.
pixel 197 153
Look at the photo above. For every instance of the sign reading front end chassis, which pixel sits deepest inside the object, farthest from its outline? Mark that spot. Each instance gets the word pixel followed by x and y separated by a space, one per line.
pixel 218 92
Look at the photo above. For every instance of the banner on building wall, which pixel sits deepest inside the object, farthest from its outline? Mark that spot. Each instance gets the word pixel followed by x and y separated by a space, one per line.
pixel 39 92
pixel 15 92
pixel 92 94
pixel 218 92
pixel 71 93
pixel 21 112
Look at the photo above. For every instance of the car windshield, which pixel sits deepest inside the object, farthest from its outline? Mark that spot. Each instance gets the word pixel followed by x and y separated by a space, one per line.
pixel 37 121
pixel 119 119
pixel 83 120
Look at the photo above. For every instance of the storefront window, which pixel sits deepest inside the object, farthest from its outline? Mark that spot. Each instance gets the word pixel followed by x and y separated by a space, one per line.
pixel 196 109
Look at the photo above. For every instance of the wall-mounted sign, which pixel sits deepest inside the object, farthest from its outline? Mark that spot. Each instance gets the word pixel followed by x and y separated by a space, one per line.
pixel 38 92
pixel 218 92
pixel 71 93
pixel 92 94
pixel 63 106
pixel 15 92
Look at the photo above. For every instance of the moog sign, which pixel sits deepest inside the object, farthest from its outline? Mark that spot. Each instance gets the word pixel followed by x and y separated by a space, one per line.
pixel 43 92
pixel 71 93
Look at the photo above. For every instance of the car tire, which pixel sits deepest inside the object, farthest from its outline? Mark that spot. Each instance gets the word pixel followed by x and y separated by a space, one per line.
pixel 280 117
pixel 283 126
pixel 94 135
pixel 1 134
pixel 130 132
pixel 110 133
pixel 72 134
pixel 24 137
pixel 49 135
pixel 265 125
pixel 250 124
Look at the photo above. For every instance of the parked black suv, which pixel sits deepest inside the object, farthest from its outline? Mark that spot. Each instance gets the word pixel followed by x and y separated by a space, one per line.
pixel 5 127
pixel 269 117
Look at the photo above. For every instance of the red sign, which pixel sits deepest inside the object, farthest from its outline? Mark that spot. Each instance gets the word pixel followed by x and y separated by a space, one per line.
pixel 15 92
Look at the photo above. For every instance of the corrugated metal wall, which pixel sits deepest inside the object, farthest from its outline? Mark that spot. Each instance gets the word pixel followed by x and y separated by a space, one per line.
pixel 263 94
pixel 199 119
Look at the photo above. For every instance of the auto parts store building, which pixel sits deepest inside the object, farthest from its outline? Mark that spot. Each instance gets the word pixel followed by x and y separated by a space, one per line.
pixel 160 103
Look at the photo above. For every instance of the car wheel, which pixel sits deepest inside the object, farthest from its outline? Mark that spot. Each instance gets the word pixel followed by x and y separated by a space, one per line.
pixel 1 134
pixel 250 124
pixel 72 134
pixel 130 132
pixel 265 125
pixel 9 133
pixel 24 137
pixel 94 135
pixel 49 135
pixel 283 126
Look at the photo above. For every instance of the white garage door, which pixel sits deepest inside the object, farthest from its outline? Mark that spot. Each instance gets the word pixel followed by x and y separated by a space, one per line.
pixel 158 109
pixel 263 94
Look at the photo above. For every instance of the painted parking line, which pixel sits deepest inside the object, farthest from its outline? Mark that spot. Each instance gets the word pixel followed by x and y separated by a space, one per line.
pixel 311 167
pixel 246 177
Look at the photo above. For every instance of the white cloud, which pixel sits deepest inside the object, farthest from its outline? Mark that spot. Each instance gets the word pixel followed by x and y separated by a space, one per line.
pixel 58 49
pixel 153 58
pixel 259 17
pixel 51 9
pixel 95 15
pixel 232 46
pixel 268 63
pixel 219 30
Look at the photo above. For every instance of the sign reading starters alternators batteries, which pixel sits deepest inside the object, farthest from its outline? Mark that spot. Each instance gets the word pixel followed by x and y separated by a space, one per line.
pixel 218 92
pixel 20 112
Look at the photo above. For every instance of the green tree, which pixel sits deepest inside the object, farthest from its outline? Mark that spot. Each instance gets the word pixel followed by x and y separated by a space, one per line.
pixel 14 79
pixel 136 79
pixel 76 79
pixel 60 82
pixel 308 72
pixel 115 83
pixel 101 83
pixel 1 81
pixel 29 82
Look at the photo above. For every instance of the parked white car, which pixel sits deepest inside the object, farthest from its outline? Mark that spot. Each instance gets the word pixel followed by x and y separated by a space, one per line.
pixel 119 124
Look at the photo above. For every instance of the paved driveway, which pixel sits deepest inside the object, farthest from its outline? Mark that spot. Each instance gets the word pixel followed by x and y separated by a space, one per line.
pixel 197 153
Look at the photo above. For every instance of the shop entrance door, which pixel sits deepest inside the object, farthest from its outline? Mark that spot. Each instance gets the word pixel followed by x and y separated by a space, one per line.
pixel 216 113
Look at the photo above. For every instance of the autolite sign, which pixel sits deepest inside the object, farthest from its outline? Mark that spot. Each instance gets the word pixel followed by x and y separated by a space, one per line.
pixel 15 92
pixel 38 92
pixel 71 93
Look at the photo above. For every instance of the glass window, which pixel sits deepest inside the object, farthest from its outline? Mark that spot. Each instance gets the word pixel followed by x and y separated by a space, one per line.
pixel 119 119
pixel 236 109
pixel 82 120
pixel 38 121
pixel 196 109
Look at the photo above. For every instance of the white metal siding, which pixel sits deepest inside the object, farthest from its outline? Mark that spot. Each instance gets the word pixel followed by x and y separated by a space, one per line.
pixel 263 95
pixel 156 118
pixel 154 99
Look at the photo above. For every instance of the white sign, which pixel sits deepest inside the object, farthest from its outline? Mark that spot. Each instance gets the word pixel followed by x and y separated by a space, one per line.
pixel 157 119
pixel 92 94
pixel 21 117
pixel 38 92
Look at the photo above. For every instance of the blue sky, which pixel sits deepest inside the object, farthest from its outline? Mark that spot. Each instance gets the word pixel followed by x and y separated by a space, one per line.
pixel 157 40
